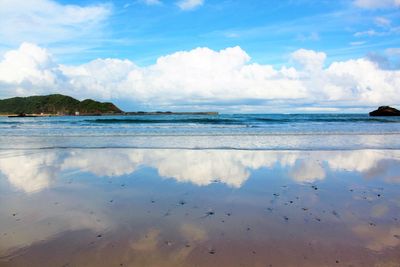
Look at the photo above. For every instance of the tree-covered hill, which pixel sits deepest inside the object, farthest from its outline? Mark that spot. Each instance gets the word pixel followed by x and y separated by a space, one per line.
pixel 55 104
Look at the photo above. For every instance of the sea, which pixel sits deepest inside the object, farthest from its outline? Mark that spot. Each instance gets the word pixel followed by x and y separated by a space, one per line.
pixel 200 190
pixel 224 131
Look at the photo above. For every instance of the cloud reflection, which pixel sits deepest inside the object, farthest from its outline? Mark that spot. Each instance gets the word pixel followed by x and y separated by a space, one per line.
pixel 31 172
pixel 380 237
pixel 307 171
pixel 148 242
pixel 34 172
pixel 31 225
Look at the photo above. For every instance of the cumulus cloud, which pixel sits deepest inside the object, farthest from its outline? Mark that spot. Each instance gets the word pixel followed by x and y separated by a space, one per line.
pixel 189 4
pixel 29 69
pixel 309 59
pixel 103 78
pixel 373 4
pixel 203 76
pixel 46 21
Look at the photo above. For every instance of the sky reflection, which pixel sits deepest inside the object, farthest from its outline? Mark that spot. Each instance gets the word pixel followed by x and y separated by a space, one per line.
pixel 32 172
pixel 146 207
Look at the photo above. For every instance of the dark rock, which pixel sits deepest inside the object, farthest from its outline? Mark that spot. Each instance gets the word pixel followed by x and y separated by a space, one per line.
pixel 21 115
pixel 385 111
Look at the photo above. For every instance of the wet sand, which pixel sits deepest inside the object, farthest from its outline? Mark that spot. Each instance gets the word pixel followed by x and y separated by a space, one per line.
pixel 161 207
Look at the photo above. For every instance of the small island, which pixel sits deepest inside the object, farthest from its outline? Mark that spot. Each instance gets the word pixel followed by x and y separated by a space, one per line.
pixel 62 105
pixel 385 111
pixel 55 104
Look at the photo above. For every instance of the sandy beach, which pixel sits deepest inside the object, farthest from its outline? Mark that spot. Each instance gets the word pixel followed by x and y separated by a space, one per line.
pixel 199 133
pixel 161 207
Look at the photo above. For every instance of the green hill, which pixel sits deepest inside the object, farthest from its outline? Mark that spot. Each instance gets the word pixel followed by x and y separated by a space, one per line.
pixel 55 104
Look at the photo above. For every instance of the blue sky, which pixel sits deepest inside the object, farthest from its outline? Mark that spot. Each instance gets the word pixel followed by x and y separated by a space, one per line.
pixel 268 33
pixel 267 30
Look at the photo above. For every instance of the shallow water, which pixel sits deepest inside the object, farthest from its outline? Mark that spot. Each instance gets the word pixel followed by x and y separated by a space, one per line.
pixel 174 207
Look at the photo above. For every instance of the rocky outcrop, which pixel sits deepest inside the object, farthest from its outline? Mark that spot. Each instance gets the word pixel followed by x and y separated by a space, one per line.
pixel 385 111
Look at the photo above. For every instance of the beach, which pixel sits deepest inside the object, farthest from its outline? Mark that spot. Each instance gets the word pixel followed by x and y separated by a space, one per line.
pixel 225 190
pixel 199 133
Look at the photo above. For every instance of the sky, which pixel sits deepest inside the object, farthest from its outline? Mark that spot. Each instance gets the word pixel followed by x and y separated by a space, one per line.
pixel 230 56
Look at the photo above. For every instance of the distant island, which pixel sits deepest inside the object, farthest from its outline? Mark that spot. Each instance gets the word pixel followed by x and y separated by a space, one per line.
pixel 385 111
pixel 55 104
pixel 62 105
pixel 138 113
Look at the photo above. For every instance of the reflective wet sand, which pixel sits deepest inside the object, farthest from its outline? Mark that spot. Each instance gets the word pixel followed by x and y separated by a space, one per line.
pixel 160 207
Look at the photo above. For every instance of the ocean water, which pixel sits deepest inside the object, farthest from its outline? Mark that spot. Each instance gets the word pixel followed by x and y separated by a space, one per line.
pixel 244 131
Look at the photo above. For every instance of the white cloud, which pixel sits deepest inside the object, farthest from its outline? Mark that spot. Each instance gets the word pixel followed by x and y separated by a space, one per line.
pixel 309 59
pixel 46 21
pixel 189 4
pixel 29 66
pixel 231 35
pixel 373 4
pixel 203 76
pixel 100 78
pixel 152 2
pixel 382 22
pixel 357 43
pixel 319 109
pixel 367 33
pixel 362 81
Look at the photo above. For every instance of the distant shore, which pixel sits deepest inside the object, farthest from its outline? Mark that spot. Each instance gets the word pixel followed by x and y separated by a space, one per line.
pixel 138 113
pixel 169 113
